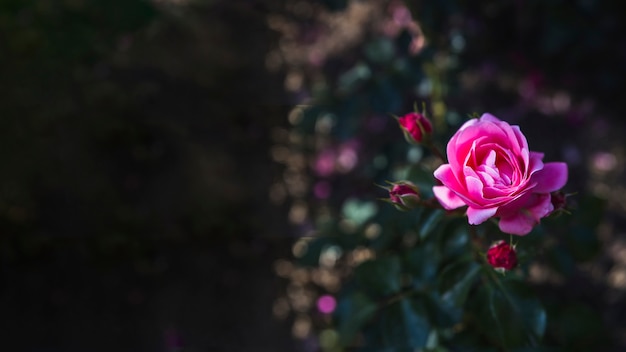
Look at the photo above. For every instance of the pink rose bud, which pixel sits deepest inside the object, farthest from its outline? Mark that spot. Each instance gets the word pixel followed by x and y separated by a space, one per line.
pixel 501 256
pixel 558 200
pixel 416 127
pixel 404 195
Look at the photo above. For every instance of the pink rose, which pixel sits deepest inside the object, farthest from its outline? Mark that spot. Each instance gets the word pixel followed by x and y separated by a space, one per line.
pixel 415 127
pixel 501 256
pixel 492 171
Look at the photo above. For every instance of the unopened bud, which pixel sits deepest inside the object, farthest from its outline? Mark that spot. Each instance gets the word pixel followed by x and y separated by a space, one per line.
pixel 501 256
pixel 416 127
pixel 404 195
pixel 559 201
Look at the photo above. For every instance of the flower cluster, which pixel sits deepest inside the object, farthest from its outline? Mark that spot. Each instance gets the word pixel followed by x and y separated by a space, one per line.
pixel 492 172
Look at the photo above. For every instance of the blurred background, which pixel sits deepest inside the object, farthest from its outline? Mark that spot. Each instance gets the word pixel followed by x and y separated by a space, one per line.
pixel 162 162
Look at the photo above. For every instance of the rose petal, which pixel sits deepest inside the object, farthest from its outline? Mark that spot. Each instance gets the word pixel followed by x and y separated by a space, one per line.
pixel 535 163
pixel 474 187
pixel 445 174
pixel 540 206
pixel 523 221
pixel 488 117
pixel 551 178
pixel 478 216
pixel 519 137
pixel 518 224
pixel 448 199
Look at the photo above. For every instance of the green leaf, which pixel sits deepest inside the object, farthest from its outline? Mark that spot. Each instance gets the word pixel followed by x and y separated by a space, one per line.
pixel 454 240
pixel 394 225
pixel 442 314
pixel 379 277
pixel 456 280
pixel 403 326
pixel 423 178
pixel 509 314
pixel 421 262
pixel 353 313
pixel 431 222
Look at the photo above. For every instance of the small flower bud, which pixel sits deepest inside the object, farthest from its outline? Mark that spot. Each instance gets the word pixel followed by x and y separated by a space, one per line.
pixel 404 195
pixel 559 201
pixel 501 256
pixel 416 127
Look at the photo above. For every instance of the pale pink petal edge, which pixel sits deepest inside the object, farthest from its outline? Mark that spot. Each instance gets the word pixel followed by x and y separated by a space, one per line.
pixel 448 199
pixel 478 216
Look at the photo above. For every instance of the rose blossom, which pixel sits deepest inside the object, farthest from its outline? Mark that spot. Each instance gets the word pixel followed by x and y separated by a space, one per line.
pixel 415 127
pixel 501 256
pixel 492 171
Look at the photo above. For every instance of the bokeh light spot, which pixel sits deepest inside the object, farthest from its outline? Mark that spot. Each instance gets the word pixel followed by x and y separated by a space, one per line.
pixel 301 327
pixel 329 339
pixel 322 190
pixel 415 154
pixel 326 304
pixel 604 162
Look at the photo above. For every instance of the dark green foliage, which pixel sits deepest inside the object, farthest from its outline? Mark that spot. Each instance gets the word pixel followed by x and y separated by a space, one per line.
pixel 379 278
pixel 426 284
pixel 508 314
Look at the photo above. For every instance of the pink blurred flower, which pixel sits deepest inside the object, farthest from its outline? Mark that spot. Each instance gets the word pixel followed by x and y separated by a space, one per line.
pixel 325 163
pixel 326 304
pixel 322 190
pixel 493 172
pixel 348 156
